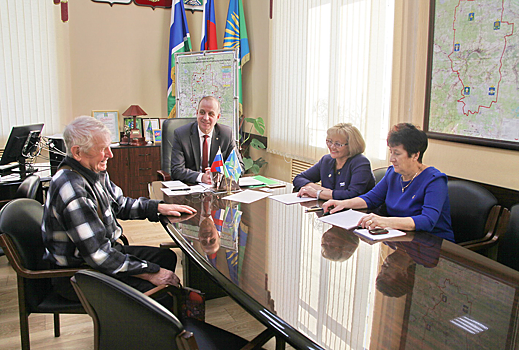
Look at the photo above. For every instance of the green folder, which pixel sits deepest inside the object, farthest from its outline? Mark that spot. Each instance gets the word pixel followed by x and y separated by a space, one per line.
pixel 266 180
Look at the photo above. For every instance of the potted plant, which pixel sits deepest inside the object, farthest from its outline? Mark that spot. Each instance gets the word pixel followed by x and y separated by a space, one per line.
pixel 248 140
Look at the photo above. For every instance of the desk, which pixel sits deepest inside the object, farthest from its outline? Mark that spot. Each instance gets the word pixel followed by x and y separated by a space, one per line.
pixel 9 184
pixel 453 298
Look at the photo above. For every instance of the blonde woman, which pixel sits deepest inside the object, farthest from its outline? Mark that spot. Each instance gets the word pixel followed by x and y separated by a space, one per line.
pixel 344 173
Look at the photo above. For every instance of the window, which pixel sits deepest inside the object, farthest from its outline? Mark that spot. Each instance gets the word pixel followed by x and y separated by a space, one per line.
pixel 331 63
pixel 28 66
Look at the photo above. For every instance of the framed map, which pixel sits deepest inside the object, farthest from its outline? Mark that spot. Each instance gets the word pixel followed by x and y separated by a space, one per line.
pixel 208 73
pixel 473 76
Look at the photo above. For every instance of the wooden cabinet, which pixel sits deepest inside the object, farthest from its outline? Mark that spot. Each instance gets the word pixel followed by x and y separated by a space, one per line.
pixel 132 168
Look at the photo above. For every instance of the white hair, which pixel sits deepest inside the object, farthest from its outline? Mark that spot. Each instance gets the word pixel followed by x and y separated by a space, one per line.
pixel 83 132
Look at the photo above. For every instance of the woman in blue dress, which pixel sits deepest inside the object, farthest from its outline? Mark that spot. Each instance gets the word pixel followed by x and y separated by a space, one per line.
pixel 344 172
pixel 415 194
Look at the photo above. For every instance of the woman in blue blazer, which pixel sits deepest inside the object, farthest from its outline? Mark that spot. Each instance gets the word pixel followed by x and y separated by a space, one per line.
pixel 344 172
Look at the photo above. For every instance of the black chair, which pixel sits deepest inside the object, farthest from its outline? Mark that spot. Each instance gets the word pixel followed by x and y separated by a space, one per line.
pixel 379 173
pixel 125 318
pixel 21 239
pixel 168 129
pixel 508 251
pixel 474 214
pixel 30 188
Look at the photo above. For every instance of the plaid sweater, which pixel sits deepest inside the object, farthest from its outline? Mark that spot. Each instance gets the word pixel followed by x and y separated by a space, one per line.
pixel 75 231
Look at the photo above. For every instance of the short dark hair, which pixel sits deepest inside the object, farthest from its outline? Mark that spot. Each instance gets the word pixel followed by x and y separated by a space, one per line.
pixel 410 137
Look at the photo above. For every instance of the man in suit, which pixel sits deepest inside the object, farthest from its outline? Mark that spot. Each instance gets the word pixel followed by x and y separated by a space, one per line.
pixel 187 154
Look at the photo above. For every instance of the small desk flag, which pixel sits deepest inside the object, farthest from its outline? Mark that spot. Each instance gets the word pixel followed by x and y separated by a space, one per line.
pixel 232 166
pixel 217 165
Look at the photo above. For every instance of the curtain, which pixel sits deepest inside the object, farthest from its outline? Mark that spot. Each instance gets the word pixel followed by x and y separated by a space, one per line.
pixel 28 66
pixel 331 62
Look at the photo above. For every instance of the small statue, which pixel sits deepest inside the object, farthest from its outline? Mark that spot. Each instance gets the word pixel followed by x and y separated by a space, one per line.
pixel 125 139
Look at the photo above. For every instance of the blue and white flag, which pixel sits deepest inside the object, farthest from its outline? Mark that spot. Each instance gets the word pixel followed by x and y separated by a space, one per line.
pixel 179 41
pixel 232 166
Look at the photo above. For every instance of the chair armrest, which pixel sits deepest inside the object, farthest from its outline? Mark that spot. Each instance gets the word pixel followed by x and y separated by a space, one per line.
pixel 500 229
pixel 124 239
pixel 163 176
pixel 490 227
pixel 168 245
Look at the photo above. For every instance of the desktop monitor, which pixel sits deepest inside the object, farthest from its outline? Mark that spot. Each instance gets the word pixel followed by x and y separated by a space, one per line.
pixel 21 142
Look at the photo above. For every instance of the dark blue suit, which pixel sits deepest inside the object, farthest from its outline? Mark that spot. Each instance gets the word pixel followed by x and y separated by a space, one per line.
pixel 186 154
pixel 353 179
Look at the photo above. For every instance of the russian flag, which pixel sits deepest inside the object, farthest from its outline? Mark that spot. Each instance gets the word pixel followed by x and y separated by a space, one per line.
pixel 217 165
pixel 208 27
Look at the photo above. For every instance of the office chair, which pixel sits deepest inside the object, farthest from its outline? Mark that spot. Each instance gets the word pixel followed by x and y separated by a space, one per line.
pixel 30 188
pixel 132 320
pixel 474 215
pixel 21 240
pixel 509 243
pixel 379 173
pixel 168 128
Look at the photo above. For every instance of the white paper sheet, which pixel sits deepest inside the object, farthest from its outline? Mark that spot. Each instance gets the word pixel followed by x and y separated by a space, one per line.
pixel 247 196
pixel 291 198
pixel 346 219
pixel 249 181
pixel 350 218
pixel 170 192
pixel 175 184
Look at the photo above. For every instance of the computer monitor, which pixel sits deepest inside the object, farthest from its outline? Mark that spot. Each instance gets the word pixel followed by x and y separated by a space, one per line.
pixel 21 142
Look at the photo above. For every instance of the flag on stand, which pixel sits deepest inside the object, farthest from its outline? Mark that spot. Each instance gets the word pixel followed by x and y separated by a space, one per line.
pixel 208 27
pixel 232 166
pixel 217 165
pixel 236 37
pixel 179 41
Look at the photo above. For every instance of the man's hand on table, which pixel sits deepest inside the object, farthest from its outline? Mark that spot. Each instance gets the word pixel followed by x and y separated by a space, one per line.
pixel 175 209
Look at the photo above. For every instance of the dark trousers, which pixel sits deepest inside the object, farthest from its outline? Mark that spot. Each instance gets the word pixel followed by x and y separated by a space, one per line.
pixel 165 258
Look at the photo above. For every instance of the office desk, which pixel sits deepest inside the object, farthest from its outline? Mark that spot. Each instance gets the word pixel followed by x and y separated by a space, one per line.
pixel 445 296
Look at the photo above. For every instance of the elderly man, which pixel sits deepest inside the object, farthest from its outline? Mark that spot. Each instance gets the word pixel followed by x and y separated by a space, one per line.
pixel 195 145
pixel 80 225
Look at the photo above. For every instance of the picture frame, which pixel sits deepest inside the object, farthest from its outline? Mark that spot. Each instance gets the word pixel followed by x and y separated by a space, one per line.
pixel 150 124
pixel 157 135
pixel 111 120
pixel 467 100
pixel 194 5
pixel 129 123
pixel 161 121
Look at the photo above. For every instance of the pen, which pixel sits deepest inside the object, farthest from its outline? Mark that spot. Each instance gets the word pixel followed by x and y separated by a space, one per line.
pixel 311 210
pixel 179 189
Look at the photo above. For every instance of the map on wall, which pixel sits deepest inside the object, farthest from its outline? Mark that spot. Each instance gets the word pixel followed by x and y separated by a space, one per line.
pixel 207 73
pixel 473 72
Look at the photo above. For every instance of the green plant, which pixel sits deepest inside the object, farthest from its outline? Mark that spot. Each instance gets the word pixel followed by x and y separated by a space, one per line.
pixel 246 141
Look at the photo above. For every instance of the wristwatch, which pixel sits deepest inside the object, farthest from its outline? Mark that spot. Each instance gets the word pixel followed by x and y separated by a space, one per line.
pixel 318 194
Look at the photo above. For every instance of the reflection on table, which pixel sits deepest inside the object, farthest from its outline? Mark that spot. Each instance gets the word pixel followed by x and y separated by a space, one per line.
pixel 341 291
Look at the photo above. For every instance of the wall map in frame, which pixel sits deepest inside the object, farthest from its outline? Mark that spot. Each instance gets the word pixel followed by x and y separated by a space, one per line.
pixel 472 77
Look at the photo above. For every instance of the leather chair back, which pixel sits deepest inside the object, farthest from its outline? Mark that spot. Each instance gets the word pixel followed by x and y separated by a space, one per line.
pixel 124 318
pixel 379 174
pixel 20 220
pixel 168 129
pixel 470 208
pixel 30 188
pixel 509 242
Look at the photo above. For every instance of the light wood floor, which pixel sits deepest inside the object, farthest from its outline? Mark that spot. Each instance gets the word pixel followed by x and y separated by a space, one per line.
pixel 77 330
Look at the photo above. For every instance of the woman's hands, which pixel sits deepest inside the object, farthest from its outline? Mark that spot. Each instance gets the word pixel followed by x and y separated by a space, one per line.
pixel 309 190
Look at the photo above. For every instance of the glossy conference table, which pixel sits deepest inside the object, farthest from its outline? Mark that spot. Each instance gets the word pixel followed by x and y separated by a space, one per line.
pixel 316 286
